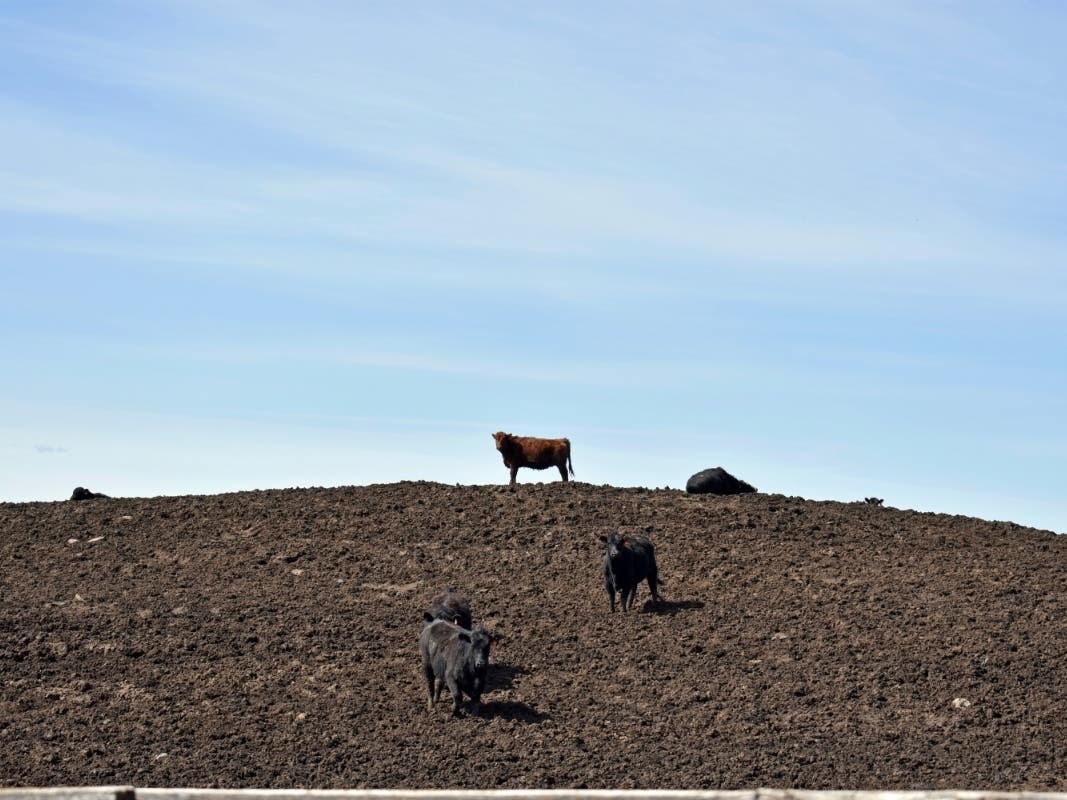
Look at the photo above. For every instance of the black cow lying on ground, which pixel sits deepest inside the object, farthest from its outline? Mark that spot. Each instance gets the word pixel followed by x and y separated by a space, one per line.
pixel 451 606
pixel 717 481
pixel 457 658
pixel 873 501
pixel 628 560
pixel 81 493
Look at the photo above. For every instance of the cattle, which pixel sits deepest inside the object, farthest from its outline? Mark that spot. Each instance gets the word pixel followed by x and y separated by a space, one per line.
pixel 451 606
pixel 457 658
pixel 717 481
pixel 628 560
pixel 873 501
pixel 81 493
pixel 529 451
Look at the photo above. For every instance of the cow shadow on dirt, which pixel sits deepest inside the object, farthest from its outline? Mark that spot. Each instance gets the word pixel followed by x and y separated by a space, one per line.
pixel 668 608
pixel 502 676
pixel 509 709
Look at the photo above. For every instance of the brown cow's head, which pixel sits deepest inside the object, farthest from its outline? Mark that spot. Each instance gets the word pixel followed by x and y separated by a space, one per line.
pixel 507 445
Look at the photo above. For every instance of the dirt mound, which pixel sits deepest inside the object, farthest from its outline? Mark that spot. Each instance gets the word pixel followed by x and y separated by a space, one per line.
pixel 269 639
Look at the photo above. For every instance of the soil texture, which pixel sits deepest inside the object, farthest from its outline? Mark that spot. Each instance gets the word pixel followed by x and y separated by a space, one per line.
pixel 269 639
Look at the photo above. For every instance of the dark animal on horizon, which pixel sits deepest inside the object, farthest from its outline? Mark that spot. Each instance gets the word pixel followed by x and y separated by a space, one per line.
pixel 529 451
pixel 628 560
pixel 81 493
pixel 451 606
pixel 717 481
pixel 456 658
pixel 873 501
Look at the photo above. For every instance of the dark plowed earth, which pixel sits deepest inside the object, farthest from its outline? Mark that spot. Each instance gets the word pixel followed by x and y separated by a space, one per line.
pixel 269 639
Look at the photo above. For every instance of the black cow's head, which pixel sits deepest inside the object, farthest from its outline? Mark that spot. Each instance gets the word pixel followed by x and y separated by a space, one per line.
pixel 613 544
pixel 481 642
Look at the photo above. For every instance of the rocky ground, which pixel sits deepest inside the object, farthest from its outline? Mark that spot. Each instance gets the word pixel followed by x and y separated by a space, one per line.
pixel 269 639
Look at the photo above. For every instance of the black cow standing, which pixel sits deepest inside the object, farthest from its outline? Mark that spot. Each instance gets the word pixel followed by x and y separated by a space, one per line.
pixel 451 606
pixel 457 658
pixel 628 560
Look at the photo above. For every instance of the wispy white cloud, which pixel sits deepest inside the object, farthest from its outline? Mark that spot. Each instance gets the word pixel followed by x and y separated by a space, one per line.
pixel 495 207
pixel 372 355
pixel 852 376
pixel 404 193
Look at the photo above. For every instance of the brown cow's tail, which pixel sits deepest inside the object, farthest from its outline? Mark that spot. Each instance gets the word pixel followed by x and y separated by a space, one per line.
pixel 570 466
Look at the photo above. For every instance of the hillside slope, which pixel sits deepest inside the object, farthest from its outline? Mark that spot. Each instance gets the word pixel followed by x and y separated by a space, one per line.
pixel 268 639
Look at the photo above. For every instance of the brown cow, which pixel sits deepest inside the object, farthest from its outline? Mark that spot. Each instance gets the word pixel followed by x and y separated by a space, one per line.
pixel 528 451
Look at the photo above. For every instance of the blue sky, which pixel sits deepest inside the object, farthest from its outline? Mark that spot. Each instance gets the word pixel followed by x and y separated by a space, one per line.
pixel 267 244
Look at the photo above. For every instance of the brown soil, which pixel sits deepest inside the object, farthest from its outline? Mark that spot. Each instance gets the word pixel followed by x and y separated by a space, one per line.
pixel 269 639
